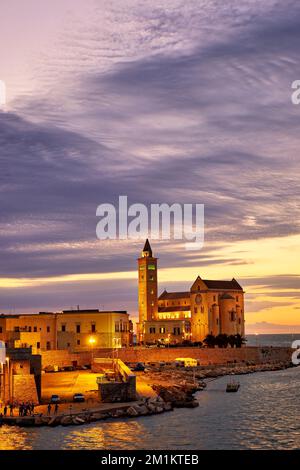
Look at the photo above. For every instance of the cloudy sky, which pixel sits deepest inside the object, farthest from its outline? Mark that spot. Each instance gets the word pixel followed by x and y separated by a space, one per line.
pixel 162 101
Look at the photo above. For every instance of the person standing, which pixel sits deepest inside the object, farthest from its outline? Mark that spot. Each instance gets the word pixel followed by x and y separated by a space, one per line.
pixel 56 408
pixel 49 409
pixel 11 409
pixel 5 410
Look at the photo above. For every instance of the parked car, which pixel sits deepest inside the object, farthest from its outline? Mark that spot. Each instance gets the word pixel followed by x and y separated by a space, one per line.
pixel 55 399
pixel 78 398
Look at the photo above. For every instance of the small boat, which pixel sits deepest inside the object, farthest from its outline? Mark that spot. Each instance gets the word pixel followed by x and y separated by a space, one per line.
pixel 232 387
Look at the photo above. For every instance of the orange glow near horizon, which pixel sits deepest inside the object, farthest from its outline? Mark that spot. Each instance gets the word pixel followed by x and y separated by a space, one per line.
pixel 255 259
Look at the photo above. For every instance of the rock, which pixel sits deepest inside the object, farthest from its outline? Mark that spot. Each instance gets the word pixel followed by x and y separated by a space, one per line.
pixel 97 416
pixel 118 413
pixel 159 409
pixel 38 421
pixel 191 404
pixel 77 420
pixel 55 421
pixel 45 419
pixel 159 400
pixel 142 410
pixel 168 407
pixel 131 411
pixel 66 421
pixel 151 407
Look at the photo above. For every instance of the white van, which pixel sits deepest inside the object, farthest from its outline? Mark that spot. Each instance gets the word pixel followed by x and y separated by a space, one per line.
pixel 186 362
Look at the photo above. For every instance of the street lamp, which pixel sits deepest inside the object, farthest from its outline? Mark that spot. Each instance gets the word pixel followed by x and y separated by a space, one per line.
pixel 8 377
pixel 92 341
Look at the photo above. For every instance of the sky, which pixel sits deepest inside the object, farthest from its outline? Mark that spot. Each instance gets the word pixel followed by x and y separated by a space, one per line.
pixel 166 102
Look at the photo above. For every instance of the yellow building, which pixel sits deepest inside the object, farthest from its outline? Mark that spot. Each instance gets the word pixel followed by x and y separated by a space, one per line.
pixel 22 331
pixel 79 330
pixel 209 307
pixel 76 330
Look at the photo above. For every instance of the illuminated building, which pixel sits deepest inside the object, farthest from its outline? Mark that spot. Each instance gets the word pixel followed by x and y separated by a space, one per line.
pixel 209 307
pixel 69 329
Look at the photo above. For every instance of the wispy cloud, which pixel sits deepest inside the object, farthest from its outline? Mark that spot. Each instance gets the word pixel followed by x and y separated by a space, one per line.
pixel 163 101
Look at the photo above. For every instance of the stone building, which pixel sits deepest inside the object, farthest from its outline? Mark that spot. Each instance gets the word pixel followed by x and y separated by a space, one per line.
pixel 208 307
pixel 80 330
pixel 20 376
pixel 76 330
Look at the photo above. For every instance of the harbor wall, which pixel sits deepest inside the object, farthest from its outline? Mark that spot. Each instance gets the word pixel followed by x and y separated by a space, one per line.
pixel 256 355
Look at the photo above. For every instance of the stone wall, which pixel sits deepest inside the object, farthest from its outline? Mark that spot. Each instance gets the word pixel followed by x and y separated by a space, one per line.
pixel 64 358
pixel 24 388
pixel 207 356
pixel 258 355
pixel 124 390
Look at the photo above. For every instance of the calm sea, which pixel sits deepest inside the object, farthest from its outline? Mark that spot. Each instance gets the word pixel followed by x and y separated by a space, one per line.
pixel 264 414
pixel 272 340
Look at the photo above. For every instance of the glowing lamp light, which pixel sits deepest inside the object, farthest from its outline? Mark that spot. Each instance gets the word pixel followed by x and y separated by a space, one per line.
pixel 92 341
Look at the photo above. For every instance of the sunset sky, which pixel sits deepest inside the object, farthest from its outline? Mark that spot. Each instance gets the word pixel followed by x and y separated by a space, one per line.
pixel 163 101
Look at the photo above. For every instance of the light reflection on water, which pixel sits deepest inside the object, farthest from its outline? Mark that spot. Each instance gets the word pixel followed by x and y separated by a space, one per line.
pixel 264 414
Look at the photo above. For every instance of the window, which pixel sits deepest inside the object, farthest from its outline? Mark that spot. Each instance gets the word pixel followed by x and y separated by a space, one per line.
pixel 237 298
pixel 29 329
pixel 152 329
pixel 198 287
pixel 217 321
pixel 16 329
pixel 68 345
pixel 48 345
pixel 38 345
pixel 93 328
pixel 214 298
pixel 78 342
pixel 35 329
pixel 239 321
pixel 63 327
pixel 117 327
pixel 195 310
pixel 162 329
pixel 151 267
pixel 48 329
pixel 151 278
pixel 176 330
pixel 232 316
pixel 1 329
pixel 77 328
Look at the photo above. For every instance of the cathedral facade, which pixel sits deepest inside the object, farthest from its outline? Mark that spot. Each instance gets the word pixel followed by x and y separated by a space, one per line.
pixel 208 307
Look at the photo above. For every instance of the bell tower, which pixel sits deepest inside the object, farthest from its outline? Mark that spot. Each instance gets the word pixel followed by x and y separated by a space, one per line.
pixel 147 266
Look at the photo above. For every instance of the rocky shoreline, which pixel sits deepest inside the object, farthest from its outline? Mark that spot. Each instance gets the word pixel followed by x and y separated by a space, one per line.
pixel 175 388
pixel 129 410
pixel 179 386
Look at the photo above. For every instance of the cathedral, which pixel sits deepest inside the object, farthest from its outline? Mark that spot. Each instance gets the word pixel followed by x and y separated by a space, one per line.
pixel 209 307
